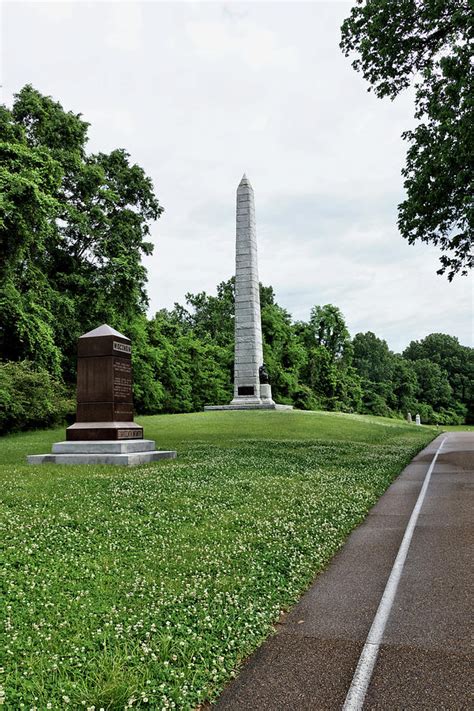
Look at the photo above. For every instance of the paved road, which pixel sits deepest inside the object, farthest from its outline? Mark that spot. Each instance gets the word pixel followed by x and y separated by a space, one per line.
pixel 425 658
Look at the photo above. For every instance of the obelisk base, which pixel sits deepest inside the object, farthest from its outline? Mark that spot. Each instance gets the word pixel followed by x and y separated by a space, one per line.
pixel 262 405
pixel 264 402
pixel 126 453
pixel 266 393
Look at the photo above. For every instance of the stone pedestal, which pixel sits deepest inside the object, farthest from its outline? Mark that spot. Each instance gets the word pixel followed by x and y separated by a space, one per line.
pixel 266 393
pixel 102 452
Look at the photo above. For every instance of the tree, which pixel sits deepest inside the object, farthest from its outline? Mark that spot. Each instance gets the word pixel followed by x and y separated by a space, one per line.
pixel 191 370
pixel 373 362
pixel 404 386
pixel 433 385
pixel 371 357
pixel 29 181
pixel 211 316
pixel 284 354
pixel 428 42
pixel 81 229
pixel 327 328
pixel 31 397
pixel 455 360
pixel 168 362
pixel 322 374
pixel 328 370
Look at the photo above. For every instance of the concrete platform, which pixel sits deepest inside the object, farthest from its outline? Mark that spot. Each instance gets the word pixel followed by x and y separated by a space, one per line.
pixel 126 453
pixel 104 446
pixel 261 406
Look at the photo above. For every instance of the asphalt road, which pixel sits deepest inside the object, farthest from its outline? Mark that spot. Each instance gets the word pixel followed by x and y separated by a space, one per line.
pixel 425 658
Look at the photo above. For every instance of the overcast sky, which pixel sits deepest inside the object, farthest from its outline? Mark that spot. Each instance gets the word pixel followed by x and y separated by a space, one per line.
pixel 198 94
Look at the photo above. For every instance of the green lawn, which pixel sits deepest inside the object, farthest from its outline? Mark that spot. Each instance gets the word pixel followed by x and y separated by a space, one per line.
pixel 457 428
pixel 145 587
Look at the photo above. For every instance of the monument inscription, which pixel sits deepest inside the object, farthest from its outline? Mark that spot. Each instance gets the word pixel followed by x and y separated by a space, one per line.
pixel 122 379
pixel 246 390
pixel 124 347
pixel 128 434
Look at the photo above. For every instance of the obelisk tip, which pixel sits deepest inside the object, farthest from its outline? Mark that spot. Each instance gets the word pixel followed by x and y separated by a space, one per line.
pixel 245 182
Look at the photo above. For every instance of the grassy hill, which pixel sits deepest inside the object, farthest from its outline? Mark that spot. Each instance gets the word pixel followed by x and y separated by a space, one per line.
pixel 145 587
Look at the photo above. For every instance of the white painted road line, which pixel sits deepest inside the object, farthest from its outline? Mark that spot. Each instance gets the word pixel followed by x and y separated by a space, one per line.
pixel 365 667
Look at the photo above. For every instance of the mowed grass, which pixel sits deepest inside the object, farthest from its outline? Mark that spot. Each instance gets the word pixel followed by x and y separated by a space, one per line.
pixel 145 587
pixel 458 428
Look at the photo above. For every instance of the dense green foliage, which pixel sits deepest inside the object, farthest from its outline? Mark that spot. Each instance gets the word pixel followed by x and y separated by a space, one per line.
pixel 147 588
pixel 72 233
pixel 427 43
pixel 313 365
pixel 73 228
pixel 31 397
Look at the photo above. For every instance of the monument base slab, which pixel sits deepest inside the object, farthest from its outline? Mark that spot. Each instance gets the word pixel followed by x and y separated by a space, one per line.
pixel 249 406
pixel 126 453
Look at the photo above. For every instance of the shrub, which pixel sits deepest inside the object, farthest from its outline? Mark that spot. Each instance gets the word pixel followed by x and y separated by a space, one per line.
pixel 30 397
pixel 374 404
pixel 443 416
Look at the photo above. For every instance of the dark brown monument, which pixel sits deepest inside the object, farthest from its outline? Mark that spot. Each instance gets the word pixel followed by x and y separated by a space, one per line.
pixel 105 432
pixel 104 388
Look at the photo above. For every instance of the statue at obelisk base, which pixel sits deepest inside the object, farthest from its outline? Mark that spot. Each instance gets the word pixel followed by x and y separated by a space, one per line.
pixel 252 389
pixel 104 431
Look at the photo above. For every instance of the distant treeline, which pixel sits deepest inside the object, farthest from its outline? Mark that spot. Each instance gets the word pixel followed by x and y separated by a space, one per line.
pixel 73 229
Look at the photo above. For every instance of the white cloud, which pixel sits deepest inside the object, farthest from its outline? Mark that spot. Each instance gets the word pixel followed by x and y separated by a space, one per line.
pixel 126 26
pixel 257 47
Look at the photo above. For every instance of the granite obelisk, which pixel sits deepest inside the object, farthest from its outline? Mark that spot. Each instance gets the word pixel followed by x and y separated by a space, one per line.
pixel 248 325
pixel 251 387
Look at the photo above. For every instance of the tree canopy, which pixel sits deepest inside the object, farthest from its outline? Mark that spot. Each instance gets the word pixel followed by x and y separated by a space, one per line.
pixel 427 43
pixel 73 229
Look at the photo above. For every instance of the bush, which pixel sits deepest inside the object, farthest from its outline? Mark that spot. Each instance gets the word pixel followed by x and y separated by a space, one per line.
pixel 374 404
pixel 449 417
pixel 305 399
pixel 30 397
pixel 443 416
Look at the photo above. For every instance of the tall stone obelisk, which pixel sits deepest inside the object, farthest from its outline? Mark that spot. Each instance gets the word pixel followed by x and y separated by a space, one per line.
pixel 251 387
pixel 248 325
